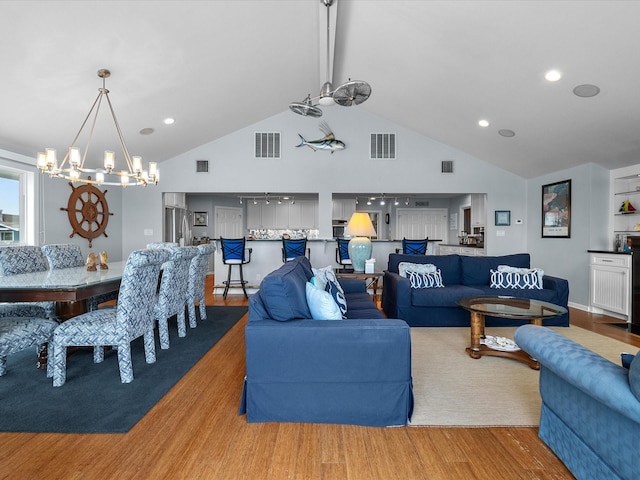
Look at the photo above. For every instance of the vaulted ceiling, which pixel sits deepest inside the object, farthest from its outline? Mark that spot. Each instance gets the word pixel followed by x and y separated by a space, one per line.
pixel 436 67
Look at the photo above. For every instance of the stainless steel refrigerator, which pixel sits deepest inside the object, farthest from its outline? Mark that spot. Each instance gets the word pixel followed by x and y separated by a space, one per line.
pixel 178 225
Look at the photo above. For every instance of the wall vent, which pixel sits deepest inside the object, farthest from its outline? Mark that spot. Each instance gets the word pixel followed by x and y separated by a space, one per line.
pixel 383 145
pixel 422 203
pixel 446 166
pixel 267 145
pixel 202 166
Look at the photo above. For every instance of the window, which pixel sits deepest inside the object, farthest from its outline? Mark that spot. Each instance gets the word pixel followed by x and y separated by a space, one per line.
pixel 17 202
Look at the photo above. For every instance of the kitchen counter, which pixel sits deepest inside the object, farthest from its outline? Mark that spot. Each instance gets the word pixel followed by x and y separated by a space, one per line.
pixel 612 252
pixel 458 245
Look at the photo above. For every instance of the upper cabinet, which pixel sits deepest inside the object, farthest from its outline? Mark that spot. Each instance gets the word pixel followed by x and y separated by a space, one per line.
pixel 478 210
pixel 343 209
pixel 299 215
pixel 174 199
pixel 626 202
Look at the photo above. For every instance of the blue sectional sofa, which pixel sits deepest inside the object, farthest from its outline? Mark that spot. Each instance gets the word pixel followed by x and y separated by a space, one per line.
pixel 590 414
pixel 354 371
pixel 462 276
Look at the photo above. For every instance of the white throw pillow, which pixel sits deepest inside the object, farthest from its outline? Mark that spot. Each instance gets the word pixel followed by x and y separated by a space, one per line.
pixel 404 267
pixel 320 276
pixel 531 279
pixel 425 280
pixel 321 304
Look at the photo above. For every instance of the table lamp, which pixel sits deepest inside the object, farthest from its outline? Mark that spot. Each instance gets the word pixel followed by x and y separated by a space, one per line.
pixel 360 227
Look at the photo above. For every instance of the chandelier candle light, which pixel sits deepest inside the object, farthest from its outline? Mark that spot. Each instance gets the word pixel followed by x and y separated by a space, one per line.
pixel 73 165
pixel 360 227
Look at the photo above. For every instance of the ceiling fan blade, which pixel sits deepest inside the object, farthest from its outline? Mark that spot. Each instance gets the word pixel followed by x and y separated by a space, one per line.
pixel 354 92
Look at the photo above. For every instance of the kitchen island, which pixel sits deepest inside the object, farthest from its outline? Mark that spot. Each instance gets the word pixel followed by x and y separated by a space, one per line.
pixel 266 257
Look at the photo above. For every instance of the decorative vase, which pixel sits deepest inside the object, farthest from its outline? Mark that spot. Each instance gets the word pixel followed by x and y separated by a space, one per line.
pixel 359 251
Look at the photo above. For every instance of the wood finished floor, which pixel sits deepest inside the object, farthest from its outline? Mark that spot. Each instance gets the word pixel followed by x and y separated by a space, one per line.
pixel 194 432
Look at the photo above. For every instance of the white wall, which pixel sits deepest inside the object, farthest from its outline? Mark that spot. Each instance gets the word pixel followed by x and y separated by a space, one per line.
pixel 138 211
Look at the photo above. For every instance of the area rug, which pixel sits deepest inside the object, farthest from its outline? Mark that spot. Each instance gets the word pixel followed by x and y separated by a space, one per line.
pixel 452 389
pixel 93 400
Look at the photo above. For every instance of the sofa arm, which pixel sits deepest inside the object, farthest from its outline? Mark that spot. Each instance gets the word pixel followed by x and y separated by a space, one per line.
pixel 594 375
pixel 396 292
pixel 560 285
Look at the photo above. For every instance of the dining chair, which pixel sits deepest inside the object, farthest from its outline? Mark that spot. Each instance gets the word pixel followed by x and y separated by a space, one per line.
pixel 342 254
pixel 69 255
pixel 172 296
pixel 294 247
pixel 20 333
pixel 15 260
pixel 414 247
pixel 235 253
pixel 197 276
pixel 131 318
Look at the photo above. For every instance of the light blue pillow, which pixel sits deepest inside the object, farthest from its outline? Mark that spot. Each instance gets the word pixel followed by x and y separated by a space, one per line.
pixel 425 280
pixel 321 304
pixel 531 280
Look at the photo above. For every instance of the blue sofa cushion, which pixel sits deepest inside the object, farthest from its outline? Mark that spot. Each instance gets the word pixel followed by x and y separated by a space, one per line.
pixel 283 291
pixel 442 297
pixel 321 304
pixel 476 270
pixel 546 295
pixel 634 376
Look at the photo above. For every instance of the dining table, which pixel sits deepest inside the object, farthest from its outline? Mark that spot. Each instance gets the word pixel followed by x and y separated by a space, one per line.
pixel 69 288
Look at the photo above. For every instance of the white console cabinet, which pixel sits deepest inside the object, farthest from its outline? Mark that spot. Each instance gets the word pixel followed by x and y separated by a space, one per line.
pixel 610 282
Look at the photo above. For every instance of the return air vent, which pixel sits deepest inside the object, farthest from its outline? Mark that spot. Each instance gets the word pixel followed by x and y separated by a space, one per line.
pixel 202 166
pixel 446 166
pixel 383 145
pixel 267 145
pixel 422 203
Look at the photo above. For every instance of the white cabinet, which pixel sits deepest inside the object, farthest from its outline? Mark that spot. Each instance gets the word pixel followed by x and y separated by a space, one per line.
pixel 343 209
pixel 175 199
pixel 478 210
pixel 610 282
pixel 300 215
pixel 469 251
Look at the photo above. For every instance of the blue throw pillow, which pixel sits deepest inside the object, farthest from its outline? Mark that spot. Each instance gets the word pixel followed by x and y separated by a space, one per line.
pixel 425 280
pixel 626 359
pixel 321 304
pixel 634 376
pixel 336 292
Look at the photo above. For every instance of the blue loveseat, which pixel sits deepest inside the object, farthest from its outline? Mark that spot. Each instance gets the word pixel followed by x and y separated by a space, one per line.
pixel 355 371
pixel 590 414
pixel 462 276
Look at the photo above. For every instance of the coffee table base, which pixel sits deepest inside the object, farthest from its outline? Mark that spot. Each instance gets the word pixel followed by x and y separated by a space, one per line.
pixel 478 350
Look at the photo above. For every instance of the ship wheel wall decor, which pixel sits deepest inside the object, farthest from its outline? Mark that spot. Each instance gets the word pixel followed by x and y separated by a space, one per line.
pixel 88 212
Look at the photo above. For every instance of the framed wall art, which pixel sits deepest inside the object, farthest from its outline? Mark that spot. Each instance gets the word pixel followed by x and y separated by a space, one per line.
pixel 556 210
pixel 200 219
pixel 503 218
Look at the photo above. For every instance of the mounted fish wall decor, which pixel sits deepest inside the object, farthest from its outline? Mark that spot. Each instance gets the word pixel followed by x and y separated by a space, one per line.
pixel 328 142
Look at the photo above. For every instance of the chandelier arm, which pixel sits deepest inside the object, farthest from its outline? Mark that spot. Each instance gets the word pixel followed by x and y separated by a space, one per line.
pixel 120 137
pixel 93 126
pixel 81 128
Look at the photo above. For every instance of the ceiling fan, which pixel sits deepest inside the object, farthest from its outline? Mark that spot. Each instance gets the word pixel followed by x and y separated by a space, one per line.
pixel 353 92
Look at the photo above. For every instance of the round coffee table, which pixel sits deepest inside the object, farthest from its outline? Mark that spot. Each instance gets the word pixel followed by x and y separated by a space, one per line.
pixel 505 307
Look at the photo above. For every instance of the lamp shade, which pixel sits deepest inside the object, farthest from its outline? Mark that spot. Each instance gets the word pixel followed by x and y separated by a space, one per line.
pixel 360 227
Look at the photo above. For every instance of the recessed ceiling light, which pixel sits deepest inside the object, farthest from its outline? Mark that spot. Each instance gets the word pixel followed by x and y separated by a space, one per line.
pixel 483 123
pixel 505 132
pixel 169 121
pixel 586 91
pixel 553 76
pixel 146 131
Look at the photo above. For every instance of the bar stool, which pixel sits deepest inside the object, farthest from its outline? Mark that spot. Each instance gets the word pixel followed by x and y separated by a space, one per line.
pixel 414 247
pixel 234 253
pixel 292 248
pixel 342 254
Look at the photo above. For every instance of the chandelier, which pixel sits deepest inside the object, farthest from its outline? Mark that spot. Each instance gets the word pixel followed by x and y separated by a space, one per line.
pixel 73 165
